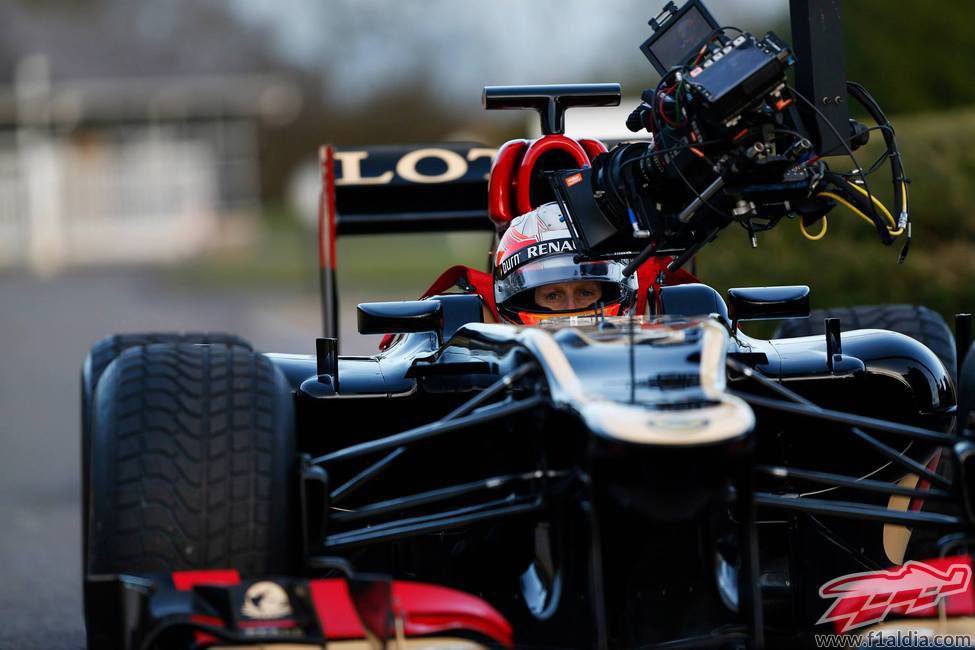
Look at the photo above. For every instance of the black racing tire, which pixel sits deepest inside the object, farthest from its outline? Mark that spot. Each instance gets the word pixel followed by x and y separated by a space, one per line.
pixel 104 351
pixel 920 323
pixel 193 463
pixel 101 354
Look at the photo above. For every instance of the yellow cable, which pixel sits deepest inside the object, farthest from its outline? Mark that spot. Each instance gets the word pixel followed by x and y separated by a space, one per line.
pixel 853 208
pixel 857 212
pixel 883 208
pixel 822 233
pixel 894 231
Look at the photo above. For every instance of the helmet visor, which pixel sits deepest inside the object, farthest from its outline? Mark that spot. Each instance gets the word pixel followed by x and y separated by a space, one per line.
pixel 514 288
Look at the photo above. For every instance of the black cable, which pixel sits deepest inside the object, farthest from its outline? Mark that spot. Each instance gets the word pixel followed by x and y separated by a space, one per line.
pixel 703 200
pixel 839 185
pixel 900 196
pixel 876 163
pixel 653 153
pixel 881 127
pixel 791 132
pixel 846 146
pixel 898 178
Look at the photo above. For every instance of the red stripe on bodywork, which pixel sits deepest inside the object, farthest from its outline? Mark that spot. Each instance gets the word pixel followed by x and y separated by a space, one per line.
pixel 429 609
pixel 917 504
pixel 204 638
pixel 186 580
pixel 326 210
pixel 424 609
pixel 334 608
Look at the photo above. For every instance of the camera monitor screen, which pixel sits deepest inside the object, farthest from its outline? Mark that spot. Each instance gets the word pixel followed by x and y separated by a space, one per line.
pixel 679 39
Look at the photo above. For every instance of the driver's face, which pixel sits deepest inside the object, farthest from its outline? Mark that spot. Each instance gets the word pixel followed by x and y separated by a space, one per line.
pixel 568 296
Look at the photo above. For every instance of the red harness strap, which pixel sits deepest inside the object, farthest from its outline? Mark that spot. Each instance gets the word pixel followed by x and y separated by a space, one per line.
pixel 481 282
pixel 483 285
pixel 648 274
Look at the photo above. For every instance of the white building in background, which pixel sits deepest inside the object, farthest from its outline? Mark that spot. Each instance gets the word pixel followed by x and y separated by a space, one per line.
pixel 146 169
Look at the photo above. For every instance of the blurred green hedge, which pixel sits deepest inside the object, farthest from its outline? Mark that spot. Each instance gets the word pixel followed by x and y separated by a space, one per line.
pixel 913 56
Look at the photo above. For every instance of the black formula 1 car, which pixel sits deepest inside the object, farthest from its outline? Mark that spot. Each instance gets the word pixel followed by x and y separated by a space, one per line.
pixel 654 480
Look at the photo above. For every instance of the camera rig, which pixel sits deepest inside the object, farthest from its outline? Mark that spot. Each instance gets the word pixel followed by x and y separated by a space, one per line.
pixel 731 141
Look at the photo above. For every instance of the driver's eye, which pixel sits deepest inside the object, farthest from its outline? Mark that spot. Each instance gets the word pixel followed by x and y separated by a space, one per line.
pixel 552 296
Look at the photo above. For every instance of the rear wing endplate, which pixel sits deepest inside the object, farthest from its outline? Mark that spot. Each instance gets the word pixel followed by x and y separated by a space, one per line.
pixel 397 189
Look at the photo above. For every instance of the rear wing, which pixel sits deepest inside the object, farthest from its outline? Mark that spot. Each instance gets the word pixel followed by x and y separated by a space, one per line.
pixel 397 189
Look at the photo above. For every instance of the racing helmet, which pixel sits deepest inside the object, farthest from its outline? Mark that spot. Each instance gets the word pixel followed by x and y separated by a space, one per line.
pixel 537 250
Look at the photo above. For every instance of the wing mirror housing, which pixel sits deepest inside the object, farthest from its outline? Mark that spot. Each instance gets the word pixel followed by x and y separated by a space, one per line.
pixel 400 317
pixel 690 300
pixel 768 303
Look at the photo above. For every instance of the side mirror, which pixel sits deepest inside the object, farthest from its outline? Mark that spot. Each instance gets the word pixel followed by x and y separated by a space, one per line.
pixel 768 303
pixel 400 317
pixel 691 300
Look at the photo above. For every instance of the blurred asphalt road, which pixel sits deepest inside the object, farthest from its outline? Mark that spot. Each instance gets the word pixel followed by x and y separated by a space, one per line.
pixel 46 328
